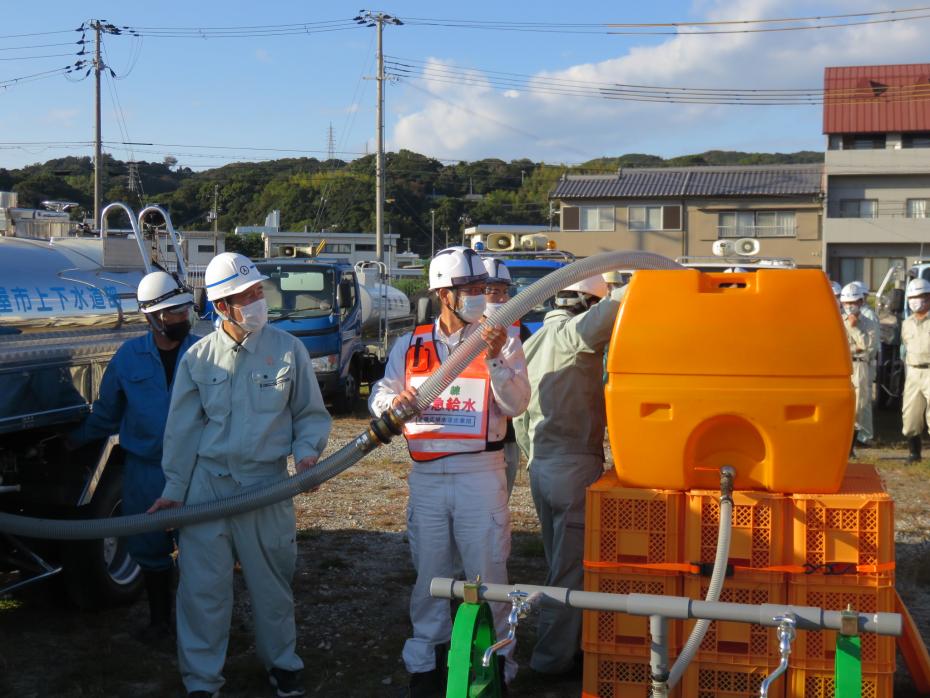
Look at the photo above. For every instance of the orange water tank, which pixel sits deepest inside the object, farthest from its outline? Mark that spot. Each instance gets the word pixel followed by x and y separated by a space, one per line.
pixel 748 369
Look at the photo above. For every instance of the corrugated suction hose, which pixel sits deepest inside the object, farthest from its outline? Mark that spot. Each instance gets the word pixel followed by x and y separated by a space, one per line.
pixel 379 432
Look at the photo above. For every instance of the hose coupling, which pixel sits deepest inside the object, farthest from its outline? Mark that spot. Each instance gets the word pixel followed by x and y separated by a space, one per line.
pixel 727 481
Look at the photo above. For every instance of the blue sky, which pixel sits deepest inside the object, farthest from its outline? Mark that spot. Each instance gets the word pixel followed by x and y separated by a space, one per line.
pixel 283 92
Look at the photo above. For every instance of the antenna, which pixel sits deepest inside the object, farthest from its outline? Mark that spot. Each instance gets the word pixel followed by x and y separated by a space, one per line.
pixel 331 144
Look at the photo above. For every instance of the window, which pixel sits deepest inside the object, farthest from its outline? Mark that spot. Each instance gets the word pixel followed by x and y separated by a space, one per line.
pixel 364 248
pixel 850 269
pixel 916 140
pixel 858 208
pixel 864 141
pixel 654 217
pixel 338 248
pixel 917 208
pixel 588 218
pixel 756 224
pixel 205 248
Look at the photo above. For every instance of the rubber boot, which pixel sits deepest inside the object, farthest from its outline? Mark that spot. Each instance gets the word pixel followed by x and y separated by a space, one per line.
pixel 159 588
pixel 431 684
pixel 913 444
pixel 852 446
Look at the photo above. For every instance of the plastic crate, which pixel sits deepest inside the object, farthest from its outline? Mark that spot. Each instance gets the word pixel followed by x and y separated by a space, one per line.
pixel 604 632
pixel 814 683
pixel 760 528
pixel 632 526
pixel 855 525
pixel 739 643
pixel 709 680
pixel 816 649
pixel 618 676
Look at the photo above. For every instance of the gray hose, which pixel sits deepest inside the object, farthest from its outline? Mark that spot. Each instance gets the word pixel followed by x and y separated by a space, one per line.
pixel 724 531
pixel 378 434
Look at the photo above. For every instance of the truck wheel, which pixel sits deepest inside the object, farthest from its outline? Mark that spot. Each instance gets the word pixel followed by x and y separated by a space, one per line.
pixel 100 573
pixel 346 399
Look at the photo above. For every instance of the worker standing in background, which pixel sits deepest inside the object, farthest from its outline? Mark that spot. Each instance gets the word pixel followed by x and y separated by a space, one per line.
pixel 867 430
pixel 498 288
pixel 133 402
pixel 837 290
pixel 862 334
pixel 562 435
pixel 245 398
pixel 915 335
pixel 458 486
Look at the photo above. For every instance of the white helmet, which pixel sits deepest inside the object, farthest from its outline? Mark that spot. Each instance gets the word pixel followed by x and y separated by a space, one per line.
pixel 862 287
pixel 455 266
pixel 230 273
pixel 593 286
pixel 917 287
pixel 498 272
pixel 837 289
pixel 851 293
pixel 160 290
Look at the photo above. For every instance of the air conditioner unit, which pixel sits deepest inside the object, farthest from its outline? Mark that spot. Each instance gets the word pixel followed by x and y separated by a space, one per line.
pixel 747 247
pixel 501 242
pixel 534 242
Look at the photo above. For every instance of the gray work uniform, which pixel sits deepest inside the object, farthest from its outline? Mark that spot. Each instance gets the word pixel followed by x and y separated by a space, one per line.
pixel 863 343
pixel 915 335
pixel 237 412
pixel 562 435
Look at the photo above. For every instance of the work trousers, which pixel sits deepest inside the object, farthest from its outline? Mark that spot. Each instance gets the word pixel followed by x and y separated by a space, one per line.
pixel 861 377
pixel 463 513
pixel 265 544
pixel 143 482
pixel 915 407
pixel 512 461
pixel 558 484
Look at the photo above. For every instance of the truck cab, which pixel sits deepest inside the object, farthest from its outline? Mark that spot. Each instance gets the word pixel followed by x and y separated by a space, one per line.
pixel 319 303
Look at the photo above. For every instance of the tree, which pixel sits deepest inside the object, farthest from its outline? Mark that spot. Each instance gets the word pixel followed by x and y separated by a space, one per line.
pixel 170 161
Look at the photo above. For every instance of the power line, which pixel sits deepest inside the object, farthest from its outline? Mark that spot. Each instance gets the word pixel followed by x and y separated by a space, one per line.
pixel 674 28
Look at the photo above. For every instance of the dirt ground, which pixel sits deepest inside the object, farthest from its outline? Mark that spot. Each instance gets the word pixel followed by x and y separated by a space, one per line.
pixel 352 584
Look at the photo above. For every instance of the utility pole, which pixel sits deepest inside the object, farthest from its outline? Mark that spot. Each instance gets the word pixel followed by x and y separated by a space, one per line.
pixel 100 26
pixel 432 233
pixel 378 20
pixel 98 145
pixel 216 215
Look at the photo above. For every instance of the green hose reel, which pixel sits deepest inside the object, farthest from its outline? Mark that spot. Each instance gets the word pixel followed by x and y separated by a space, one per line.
pixel 472 634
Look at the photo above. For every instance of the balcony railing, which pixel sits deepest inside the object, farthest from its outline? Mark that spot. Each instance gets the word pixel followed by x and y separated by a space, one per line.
pixel 787 230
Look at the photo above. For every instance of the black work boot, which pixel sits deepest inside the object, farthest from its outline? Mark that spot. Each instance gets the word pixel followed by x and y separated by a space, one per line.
pixel 432 684
pixel 852 446
pixel 913 444
pixel 159 587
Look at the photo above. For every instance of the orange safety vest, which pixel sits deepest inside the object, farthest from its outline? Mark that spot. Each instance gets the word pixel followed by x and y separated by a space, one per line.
pixel 457 421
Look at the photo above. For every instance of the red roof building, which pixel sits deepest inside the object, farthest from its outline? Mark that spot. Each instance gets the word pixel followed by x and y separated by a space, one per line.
pixel 877 99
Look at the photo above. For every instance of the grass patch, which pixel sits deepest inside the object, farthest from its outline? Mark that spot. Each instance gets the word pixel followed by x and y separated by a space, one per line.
pixel 9 605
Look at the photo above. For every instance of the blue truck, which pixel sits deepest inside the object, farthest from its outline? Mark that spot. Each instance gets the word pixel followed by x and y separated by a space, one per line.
pixel 347 318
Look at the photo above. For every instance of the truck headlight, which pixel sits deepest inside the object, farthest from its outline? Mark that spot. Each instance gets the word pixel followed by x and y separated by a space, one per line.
pixel 326 364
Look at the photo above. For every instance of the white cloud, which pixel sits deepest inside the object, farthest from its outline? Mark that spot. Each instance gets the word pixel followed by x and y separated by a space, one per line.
pixel 467 117
pixel 63 117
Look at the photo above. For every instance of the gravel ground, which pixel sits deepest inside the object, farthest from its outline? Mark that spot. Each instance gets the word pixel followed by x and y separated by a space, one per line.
pixel 352 585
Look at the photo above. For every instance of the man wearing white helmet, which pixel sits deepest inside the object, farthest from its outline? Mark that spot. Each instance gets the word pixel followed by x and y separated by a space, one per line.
pixel 837 290
pixel 915 335
pixel 133 402
pixel 245 398
pixel 458 486
pixel 862 335
pixel 499 283
pixel 866 430
pixel 562 435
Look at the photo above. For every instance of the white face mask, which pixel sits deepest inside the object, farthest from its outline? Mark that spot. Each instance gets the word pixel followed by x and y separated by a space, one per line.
pixel 471 308
pixel 852 309
pixel 254 315
pixel 915 304
pixel 491 307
